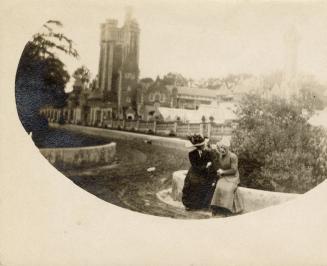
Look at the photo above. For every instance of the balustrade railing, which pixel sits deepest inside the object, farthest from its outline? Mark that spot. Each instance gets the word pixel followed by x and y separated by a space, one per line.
pixel 171 128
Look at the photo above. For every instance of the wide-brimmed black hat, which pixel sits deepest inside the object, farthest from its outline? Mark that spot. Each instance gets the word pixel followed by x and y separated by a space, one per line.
pixel 197 140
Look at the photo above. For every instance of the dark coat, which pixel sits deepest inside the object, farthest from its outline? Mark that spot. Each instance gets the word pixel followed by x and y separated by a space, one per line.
pixel 198 190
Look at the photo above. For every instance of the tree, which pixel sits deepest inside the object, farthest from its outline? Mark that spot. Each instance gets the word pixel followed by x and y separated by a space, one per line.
pixel 311 95
pixel 41 76
pixel 277 148
pixel 231 81
pixel 83 74
pixel 175 79
pixel 146 80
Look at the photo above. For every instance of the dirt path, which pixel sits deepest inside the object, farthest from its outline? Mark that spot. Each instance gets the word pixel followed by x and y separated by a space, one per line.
pixel 127 183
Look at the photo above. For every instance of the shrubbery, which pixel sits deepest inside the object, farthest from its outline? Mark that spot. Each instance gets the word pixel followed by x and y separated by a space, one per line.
pixel 278 150
pixel 150 131
pixel 41 75
pixel 61 120
pixel 172 133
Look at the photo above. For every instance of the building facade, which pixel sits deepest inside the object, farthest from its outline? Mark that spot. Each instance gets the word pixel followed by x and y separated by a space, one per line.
pixel 117 93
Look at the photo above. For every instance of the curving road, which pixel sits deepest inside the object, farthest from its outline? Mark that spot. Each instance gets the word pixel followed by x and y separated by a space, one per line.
pixel 127 183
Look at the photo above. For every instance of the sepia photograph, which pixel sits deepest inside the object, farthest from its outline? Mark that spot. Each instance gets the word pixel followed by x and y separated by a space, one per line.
pixel 120 128
pixel 189 111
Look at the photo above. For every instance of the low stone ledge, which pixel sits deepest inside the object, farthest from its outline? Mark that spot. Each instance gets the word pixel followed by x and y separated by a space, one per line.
pixel 254 199
pixel 170 142
pixel 65 158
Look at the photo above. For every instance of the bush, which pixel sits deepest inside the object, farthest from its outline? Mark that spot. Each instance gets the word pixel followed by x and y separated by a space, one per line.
pixel 172 133
pixel 150 131
pixel 277 149
pixel 61 120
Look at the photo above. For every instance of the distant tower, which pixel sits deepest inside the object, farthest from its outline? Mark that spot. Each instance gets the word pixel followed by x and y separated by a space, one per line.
pixel 119 62
pixel 108 40
pixel 291 46
pixel 291 42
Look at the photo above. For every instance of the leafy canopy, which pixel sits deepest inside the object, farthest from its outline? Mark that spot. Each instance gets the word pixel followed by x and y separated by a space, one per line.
pixel 41 75
pixel 277 148
pixel 83 74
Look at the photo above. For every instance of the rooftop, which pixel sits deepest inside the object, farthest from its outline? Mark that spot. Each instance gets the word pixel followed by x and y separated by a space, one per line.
pixel 220 113
pixel 197 91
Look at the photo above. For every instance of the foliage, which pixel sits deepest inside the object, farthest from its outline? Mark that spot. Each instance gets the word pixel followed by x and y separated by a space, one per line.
pixel 278 150
pixel 44 44
pixel 83 74
pixel 175 79
pixel 146 80
pixel 172 133
pixel 150 131
pixel 41 76
pixel 312 95
pixel 230 81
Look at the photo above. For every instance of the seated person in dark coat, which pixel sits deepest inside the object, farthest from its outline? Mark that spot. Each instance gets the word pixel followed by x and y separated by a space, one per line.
pixel 198 188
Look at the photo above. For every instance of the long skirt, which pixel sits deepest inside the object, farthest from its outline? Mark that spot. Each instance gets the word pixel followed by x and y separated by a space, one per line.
pixel 197 196
pixel 227 196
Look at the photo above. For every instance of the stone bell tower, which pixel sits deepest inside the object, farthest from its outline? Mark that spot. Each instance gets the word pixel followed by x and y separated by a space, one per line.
pixel 291 47
pixel 119 62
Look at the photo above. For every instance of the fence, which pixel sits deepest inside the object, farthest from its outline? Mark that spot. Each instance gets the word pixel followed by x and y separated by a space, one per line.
pixel 178 129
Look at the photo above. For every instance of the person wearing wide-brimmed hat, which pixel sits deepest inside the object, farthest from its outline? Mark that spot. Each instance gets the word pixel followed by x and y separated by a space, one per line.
pixel 226 199
pixel 198 182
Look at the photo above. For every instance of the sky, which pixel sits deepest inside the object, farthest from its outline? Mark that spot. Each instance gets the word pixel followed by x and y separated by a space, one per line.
pixel 208 38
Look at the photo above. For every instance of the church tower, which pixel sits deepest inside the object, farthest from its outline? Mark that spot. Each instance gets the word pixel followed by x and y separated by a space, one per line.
pixel 119 63
pixel 291 46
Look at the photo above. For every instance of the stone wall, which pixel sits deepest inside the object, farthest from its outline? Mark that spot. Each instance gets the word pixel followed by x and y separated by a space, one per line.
pixel 254 199
pixel 65 158
pixel 117 134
